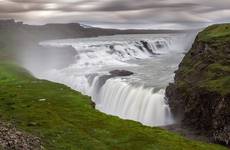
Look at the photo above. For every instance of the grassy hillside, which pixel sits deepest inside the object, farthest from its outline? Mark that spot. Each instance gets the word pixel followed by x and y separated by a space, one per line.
pixel 64 119
pixel 216 32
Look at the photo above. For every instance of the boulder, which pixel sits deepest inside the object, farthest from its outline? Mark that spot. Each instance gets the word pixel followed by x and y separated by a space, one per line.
pixel 121 73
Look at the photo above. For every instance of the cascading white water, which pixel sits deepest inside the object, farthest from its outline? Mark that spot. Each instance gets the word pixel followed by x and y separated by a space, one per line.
pixel 139 97
pixel 141 104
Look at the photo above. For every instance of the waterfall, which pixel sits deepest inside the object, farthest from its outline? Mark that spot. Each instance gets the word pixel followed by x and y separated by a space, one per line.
pixel 141 104
pixel 127 97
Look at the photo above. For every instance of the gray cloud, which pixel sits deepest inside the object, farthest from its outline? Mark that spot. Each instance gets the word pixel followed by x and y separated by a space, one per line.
pixel 119 13
pixel 121 5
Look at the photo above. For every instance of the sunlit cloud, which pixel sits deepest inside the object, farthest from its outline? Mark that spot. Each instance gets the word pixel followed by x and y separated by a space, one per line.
pixel 51 6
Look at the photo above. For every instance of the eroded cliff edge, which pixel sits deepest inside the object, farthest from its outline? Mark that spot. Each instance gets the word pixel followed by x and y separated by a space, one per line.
pixel 200 94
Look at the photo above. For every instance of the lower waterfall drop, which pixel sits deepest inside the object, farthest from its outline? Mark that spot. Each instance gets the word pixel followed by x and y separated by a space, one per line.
pixel 119 98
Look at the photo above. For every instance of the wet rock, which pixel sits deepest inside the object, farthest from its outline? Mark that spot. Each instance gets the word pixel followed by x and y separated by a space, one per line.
pixel 147 47
pixel 114 73
pixel 92 104
pixel 121 73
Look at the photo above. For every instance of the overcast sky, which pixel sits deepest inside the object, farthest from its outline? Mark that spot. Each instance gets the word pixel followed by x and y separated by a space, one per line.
pixel 120 13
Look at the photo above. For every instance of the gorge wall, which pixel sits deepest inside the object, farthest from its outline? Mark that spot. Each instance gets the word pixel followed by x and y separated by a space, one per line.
pixel 200 94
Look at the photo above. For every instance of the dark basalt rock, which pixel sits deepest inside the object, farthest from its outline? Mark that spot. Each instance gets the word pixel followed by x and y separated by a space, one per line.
pixel 121 73
pixel 113 73
pixel 147 47
pixel 93 104
pixel 200 96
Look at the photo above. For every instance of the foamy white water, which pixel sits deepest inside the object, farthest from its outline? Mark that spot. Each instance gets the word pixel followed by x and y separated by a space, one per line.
pixel 141 104
pixel 139 97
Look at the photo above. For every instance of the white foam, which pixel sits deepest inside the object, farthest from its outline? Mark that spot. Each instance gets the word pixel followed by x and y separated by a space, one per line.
pixel 136 103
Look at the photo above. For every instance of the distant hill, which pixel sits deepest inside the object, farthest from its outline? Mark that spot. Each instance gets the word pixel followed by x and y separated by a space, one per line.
pixel 70 30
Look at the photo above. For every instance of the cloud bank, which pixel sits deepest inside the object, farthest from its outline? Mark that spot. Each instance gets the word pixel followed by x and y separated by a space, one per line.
pixel 119 13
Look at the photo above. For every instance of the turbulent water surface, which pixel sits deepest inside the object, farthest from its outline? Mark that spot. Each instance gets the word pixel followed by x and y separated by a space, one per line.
pixel 140 97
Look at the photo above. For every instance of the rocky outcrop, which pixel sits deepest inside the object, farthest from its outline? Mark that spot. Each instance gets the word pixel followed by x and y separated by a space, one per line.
pixel 12 139
pixel 116 73
pixel 113 74
pixel 200 94
pixel 147 47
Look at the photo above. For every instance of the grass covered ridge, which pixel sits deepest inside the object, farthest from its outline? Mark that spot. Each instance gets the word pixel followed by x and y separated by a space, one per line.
pixel 65 120
pixel 216 32
pixel 207 65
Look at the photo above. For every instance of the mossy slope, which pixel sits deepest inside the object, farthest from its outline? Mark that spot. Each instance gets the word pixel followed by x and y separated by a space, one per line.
pixel 200 95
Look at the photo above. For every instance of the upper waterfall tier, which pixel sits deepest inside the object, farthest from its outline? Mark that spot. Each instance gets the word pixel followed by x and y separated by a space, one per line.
pixel 115 50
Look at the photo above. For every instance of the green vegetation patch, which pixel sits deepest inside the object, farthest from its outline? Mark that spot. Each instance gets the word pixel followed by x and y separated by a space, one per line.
pixel 221 84
pixel 10 72
pixel 215 32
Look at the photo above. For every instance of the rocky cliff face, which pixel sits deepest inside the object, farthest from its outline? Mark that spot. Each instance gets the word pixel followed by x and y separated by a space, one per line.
pixel 200 94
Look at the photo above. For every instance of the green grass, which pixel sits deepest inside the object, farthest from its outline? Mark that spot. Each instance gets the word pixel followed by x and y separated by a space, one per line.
pixel 221 84
pixel 216 32
pixel 67 121
pixel 217 78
